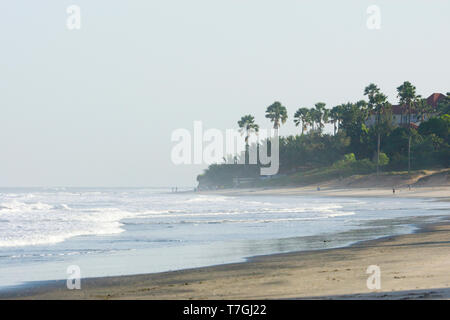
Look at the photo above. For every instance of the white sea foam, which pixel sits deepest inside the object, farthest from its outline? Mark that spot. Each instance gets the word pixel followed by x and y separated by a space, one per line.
pixel 340 214
pixel 269 220
pixel 17 206
pixel 53 216
pixel 25 224
pixel 209 199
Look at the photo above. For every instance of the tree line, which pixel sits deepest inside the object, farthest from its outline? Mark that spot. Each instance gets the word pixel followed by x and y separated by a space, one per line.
pixel 380 144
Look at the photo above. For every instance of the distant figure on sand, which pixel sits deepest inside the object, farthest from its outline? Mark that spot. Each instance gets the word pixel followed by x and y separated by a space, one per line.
pixel 318 188
pixel 393 190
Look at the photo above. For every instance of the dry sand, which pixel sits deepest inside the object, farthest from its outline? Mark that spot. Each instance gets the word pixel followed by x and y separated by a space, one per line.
pixel 439 193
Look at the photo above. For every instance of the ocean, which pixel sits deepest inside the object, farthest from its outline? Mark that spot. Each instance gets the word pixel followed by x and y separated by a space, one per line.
pixel 113 231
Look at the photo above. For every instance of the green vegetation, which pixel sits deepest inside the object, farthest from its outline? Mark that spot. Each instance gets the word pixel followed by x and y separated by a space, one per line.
pixel 343 168
pixel 365 140
pixel 277 114
pixel 247 124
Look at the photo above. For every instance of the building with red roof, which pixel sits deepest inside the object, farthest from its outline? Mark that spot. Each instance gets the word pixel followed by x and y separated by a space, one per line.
pixel 400 113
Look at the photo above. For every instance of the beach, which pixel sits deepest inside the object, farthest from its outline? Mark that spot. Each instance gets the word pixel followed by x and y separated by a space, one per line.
pixel 433 184
pixel 439 193
pixel 412 266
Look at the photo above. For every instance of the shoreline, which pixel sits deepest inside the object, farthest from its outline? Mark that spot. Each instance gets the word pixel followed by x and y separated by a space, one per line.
pixel 178 284
pixel 31 286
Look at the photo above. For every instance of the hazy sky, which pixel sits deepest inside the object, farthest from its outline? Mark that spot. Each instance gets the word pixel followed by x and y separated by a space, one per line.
pixel 97 106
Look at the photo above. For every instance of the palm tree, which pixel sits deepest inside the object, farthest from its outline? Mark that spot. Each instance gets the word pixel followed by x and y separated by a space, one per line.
pixel 320 115
pixel 422 108
pixel 326 116
pixel 335 117
pixel 371 90
pixel 377 104
pixel 407 96
pixel 302 116
pixel 247 124
pixel 277 114
pixel 312 118
pixel 444 105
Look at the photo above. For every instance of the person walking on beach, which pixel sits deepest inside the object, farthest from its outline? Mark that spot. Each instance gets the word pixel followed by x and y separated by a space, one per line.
pixel 393 190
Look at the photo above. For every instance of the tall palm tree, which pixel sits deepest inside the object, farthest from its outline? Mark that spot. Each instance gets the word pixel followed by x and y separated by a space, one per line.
pixel 407 96
pixel 302 117
pixel 247 124
pixel 371 90
pixel 422 108
pixel 320 115
pixel 377 104
pixel 326 116
pixel 277 114
pixel 335 117
pixel 443 106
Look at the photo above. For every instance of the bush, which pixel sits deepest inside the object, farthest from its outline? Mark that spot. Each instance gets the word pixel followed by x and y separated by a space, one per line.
pixel 437 126
pixel 384 159
pixel 348 159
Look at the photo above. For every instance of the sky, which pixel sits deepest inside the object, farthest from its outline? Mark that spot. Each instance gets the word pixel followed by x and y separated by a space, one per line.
pixel 97 106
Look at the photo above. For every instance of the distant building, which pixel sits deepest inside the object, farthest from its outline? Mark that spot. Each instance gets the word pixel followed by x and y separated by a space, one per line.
pixel 400 113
